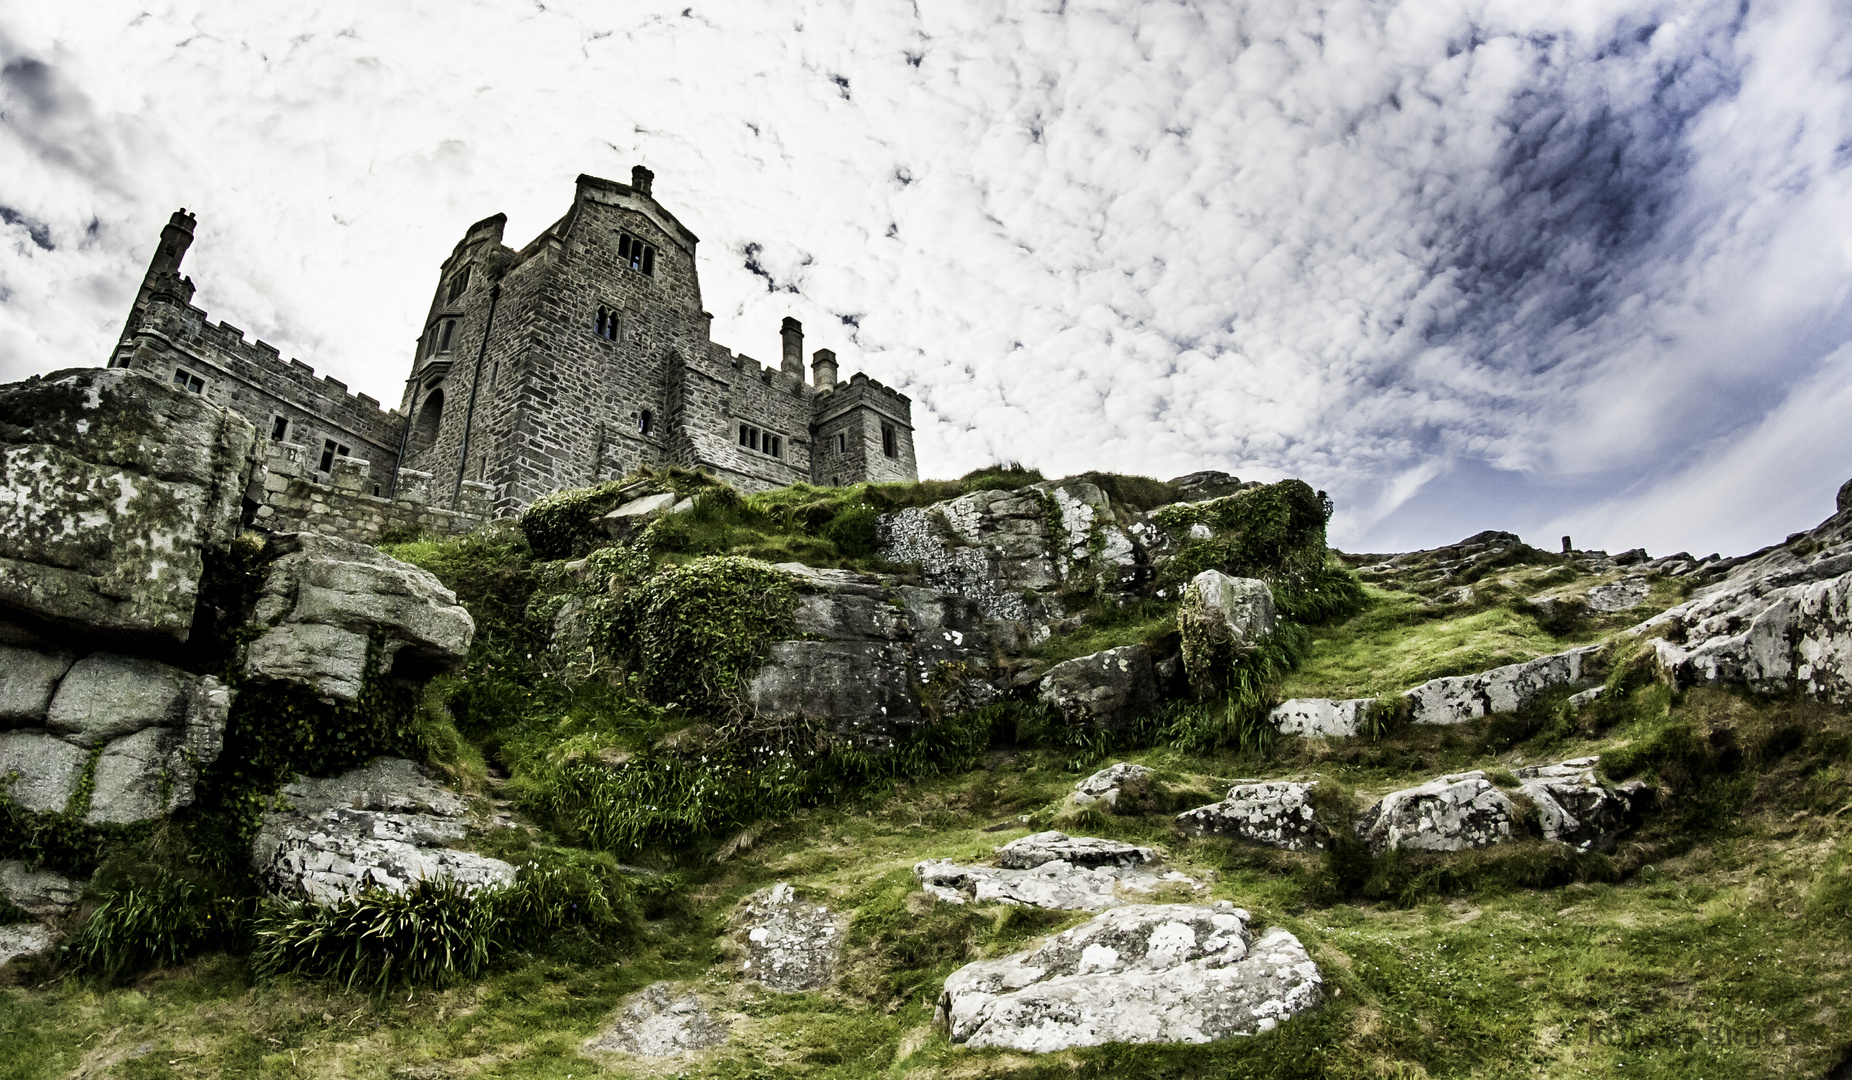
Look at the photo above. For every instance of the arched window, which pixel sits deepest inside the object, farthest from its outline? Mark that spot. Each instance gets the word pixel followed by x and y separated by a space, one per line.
pixel 646 421
pixel 606 324
pixel 430 416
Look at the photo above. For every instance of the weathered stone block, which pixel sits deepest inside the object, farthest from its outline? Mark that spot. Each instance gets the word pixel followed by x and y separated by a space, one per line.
pixel 39 771
pixel 43 894
pixel 323 600
pixel 1451 813
pixel 1276 814
pixel 107 696
pixel 27 679
pixel 414 488
pixel 1220 617
pixel 351 475
pixel 1104 691
pixel 111 484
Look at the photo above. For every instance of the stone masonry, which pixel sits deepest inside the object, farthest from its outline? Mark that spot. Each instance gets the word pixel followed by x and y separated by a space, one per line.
pixel 569 362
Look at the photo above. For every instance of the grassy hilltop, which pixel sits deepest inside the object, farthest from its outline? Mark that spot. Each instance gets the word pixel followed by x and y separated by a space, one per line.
pixel 1714 941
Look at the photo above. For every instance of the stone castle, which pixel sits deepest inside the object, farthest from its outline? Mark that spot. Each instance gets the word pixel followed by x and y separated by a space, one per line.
pixel 569 362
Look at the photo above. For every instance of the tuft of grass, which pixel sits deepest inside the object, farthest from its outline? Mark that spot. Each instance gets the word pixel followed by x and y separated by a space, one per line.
pixel 433 934
pixel 157 922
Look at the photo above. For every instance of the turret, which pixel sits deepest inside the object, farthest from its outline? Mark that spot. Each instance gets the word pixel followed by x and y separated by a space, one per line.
pixel 163 276
pixel 823 369
pixel 792 363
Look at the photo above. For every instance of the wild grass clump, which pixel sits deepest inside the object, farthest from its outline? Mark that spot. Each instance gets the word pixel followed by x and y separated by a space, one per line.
pixel 432 934
pixel 156 922
pixel 701 629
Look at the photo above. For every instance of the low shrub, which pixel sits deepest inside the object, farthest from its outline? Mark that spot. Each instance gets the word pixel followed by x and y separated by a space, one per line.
pixel 157 922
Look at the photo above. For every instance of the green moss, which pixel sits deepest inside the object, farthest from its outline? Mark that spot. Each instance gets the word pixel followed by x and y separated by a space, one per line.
pixel 701 629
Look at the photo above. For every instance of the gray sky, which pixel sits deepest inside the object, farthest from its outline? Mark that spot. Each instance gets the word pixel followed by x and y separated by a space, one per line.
pixel 1571 267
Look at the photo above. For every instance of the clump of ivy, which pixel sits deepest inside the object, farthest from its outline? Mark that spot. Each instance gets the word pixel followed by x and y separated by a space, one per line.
pixel 701 629
pixel 565 524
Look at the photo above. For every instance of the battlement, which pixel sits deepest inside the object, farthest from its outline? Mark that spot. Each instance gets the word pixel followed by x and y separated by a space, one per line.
pixel 860 390
pixel 223 347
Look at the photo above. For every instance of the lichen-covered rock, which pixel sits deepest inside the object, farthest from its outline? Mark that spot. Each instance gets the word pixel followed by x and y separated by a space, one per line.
pixel 1058 885
pixel 1450 813
pixel 1004 550
pixel 385 824
pixel 27 679
pixel 657 1022
pixel 1164 973
pixel 1220 618
pixel 1108 788
pixel 1104 691
pixel 1278 814
pixel 39 771
pixel 112 484
pixel 1574 806
pixel 1623 595
pixel 1045 847
pixel 24 940
pixel 1321 716
pixel 1459 698
pixel 864 653
pixel 791 945
pixel 324 599
pixel 42 894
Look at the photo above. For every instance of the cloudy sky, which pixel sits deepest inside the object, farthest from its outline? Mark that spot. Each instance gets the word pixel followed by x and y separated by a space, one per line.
pixel 1577 267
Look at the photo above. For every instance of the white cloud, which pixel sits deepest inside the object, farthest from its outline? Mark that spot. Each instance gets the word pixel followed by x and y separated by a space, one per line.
pixel 1397 248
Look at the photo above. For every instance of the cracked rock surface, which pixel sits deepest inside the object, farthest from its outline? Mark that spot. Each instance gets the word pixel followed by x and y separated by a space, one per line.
pixel 791 944
pixel 385 824
pixel 1275 814
pixel 1044 847
pixel 657 1022
pixel 1450 813
pixel 1149 973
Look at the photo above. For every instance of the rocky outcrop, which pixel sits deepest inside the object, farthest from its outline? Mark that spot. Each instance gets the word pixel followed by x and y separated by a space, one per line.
pixel 1221 618
pixel 657 1022
pixel 1208 484
pixel 1507 689
pixel 1779 620
pixel 150 727
pixel 1278 814
pixel 1051 870
pixel 863 651
pixel 1046 847
pixel 1170 973
pixel 1451 813
pixel 1102 692
pixel 112 486
pixel 1574 807
pixel 326 602
pixel 384 825
pixel 1007 550
pixel 42 894
pixel 1321 716
pixel 1121 784
pixel 791 945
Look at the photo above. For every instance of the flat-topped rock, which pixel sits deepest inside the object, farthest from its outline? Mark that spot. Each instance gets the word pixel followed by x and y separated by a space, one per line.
pixel 1457 699
pixel 1163 973
pixel 791 945
pixel 385 825
pixel 1277 814
pixel 1057 885
pixel 1045 847
pixel 1320 716
pixel 657 1022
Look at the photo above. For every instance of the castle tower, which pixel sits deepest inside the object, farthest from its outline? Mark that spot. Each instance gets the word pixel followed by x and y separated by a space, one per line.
pixel 163 276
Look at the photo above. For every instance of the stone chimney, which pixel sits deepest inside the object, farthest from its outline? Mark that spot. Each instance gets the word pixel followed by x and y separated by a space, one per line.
pixel 823 369
pixel 640 179
pixel 792 363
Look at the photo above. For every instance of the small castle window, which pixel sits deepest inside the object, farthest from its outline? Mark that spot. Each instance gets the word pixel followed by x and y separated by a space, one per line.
pixel 606 324
pixel 279 428
pixel 842 443
pixel 457 284
pixel 450 327
pixel 764 442
pixel 188 381
pixel 636 254
pixel 645 421
pixel 330 451
pixel 890 441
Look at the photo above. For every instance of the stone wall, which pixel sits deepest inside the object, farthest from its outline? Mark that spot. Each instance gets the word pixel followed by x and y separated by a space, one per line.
pixel 351 506
pixel 253 380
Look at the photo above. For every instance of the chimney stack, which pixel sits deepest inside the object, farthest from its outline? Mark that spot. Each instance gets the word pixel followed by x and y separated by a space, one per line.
pixel 823 369
pixel 640 179
pixel 792 363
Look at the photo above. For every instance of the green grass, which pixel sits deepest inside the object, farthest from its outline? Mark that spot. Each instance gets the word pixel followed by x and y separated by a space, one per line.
pixel 1400 641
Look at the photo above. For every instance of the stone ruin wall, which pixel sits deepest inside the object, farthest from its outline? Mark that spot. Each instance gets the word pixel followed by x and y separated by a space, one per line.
pixel 289 498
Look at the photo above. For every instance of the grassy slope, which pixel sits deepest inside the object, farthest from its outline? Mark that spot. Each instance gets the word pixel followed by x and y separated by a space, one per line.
pixel 1716 941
